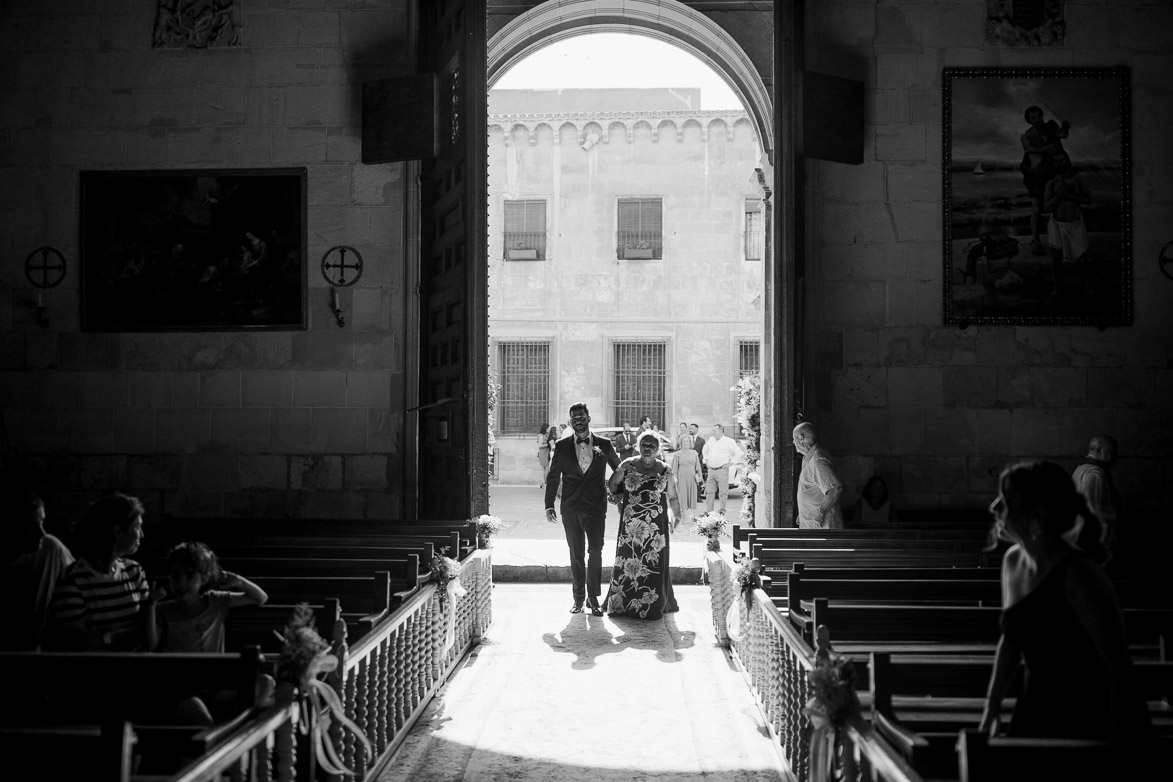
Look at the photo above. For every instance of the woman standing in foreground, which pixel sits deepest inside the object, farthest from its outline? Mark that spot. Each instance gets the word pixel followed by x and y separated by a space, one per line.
pixel 1060 618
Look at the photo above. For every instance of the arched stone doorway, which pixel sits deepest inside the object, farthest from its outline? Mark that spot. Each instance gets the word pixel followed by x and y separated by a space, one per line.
pixel 754 80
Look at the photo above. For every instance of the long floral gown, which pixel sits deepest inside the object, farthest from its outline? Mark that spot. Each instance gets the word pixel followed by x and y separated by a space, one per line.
pixel 640 582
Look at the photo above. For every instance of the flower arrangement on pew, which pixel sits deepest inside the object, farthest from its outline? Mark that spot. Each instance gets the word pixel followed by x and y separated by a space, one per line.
pixel 834 702
pixel 746 574
pixel 304 656
pixel 711 525
pixel 487 526
pixel 446 573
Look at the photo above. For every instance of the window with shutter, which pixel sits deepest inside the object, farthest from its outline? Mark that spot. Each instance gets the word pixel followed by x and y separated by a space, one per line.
pixel 641 230
pixel 525 230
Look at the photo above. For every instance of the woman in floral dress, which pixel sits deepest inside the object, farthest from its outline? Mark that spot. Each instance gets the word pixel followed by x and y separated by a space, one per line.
pixel 644 487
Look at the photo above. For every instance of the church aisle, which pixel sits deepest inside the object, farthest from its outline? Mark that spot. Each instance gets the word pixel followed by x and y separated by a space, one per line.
pixel 554 695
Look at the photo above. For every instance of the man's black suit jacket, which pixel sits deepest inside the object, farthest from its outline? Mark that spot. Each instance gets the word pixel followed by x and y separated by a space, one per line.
pixel 579 490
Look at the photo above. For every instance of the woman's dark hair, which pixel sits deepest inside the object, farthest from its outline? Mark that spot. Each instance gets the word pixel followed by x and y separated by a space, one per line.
pixel 19 511
pixel 1047 486
pixel 195 557
pixel 94 534
pixel 867 487
pixel 544 429
pixel 648 435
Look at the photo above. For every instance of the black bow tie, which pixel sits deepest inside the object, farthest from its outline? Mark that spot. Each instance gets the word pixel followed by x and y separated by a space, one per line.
pixel 582 440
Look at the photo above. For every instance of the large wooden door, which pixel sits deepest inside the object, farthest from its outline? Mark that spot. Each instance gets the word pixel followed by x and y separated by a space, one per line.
pixel 452 430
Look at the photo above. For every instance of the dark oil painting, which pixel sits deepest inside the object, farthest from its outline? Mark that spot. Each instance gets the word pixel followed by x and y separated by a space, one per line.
pixel 193 250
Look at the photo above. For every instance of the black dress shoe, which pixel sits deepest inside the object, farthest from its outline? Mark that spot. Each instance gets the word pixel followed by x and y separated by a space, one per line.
pixel 596 609
pixel 576 608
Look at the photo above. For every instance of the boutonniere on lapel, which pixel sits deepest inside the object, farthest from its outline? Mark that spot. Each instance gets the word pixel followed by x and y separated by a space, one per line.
pixel 598 450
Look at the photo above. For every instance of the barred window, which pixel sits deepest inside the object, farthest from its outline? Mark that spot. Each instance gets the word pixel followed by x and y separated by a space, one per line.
pixel 525 230
pixel 640 380
pixel 749 357
pixel 523 376
pixel 754 238
pixel 641 228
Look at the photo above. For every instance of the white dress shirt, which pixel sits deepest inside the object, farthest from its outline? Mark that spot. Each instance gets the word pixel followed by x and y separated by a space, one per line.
pixel 719 453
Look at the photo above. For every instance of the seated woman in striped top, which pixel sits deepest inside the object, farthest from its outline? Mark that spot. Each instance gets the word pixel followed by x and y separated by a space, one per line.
pixel 102 602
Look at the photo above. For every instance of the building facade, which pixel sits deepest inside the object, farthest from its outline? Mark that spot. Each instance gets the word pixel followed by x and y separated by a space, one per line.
pixel 625 246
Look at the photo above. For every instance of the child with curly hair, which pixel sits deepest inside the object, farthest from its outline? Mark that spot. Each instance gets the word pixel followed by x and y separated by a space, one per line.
pixel 201 595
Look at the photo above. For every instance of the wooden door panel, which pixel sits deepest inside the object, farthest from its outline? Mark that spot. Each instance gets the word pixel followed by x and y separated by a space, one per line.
pixel 453 434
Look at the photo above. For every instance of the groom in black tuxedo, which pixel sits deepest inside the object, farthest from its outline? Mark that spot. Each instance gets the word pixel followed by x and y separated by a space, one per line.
pixel 579 463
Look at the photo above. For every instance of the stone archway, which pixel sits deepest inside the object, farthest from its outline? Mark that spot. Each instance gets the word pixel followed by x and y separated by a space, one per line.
pixel 770 107
pixel 666 20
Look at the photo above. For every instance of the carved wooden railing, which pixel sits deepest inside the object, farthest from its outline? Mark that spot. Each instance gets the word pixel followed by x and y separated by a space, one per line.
pixel 775 661
pixel 389 676
pixel 262 750
pixel 384 681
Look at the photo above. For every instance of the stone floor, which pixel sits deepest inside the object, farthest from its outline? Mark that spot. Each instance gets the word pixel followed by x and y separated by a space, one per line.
pixel 553 695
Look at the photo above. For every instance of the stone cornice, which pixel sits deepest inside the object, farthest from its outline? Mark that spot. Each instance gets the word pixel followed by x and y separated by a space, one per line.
pixel 606 120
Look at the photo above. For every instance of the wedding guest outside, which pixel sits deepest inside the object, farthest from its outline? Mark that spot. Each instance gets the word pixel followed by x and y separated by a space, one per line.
pixel 625 442
pixel 718 454
pixel 33 561
pixel 818 486
pixel 699 447
pixel 544 452
pixel 686 467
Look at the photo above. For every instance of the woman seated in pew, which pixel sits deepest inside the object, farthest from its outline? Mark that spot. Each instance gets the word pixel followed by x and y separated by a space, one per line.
pixel 874 506
pixel 193 619
pixel 101 602
pixel 31 562
pixel 1060 617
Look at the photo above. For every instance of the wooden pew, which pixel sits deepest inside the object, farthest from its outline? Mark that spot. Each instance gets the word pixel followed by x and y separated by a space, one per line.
pixel 357 594
pixel 801 593
pixel 778 562
pixel 262 626
pixel 214 531
pixel 956 624
pixel 366 548
pixel 920 702
pixel 102 753
pixel 769 535
pixel 984 759
pixel 95 687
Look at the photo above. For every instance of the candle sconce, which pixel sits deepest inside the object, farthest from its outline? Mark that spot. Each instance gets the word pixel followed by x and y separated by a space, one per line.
pixel 44 268
pixel 335 266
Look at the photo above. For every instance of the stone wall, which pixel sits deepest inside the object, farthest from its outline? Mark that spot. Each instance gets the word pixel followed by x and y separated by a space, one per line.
pixel 303 423
pixel 939 410
pixel 701 298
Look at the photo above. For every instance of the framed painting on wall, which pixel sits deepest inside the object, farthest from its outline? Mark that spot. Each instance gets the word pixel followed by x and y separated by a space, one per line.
pixel 193 250
pixel 1036 195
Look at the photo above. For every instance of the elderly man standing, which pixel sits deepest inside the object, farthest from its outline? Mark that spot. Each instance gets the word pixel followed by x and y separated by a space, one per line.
pixel 818 486
pixel 1093 479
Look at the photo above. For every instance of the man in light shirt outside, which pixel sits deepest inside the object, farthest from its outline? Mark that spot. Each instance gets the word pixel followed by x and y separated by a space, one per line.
pixel 818 486
pixel 719 452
